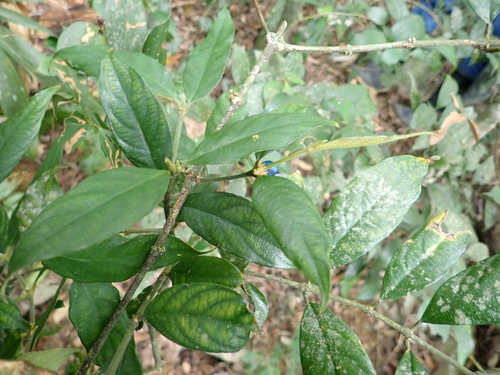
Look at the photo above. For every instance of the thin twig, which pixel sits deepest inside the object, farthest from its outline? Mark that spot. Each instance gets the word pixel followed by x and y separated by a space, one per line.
pixel 367 309
pixel 261 17
pixel 483 44
pixel 236 97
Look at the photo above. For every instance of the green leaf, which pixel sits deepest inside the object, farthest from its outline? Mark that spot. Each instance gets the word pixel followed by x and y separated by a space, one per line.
pixel 39 195
pixel 10 316
pixel 19 50
pixel 80 33
pixel 18 132
pixel 13 95
pixel 50 359
pixel 372 205
pixel 329 346
pixel 153 46
pixel 296 224
pixel 206 270
pixel 4 229
pixel 423 259
pixel 116 259
pixel 450 86
pixel 260 303
pixel 410 365
pixel 268 131
pixel 88 58
pixel 397 9
pixel 485 9
pixel 99 207
pixel 90 307
pixel 349 142
pixel 494 194
pixel 207 61
pixel 408 27
pixel 206 317
pixel 126 24
pixel 175 250
pixel 230 222
pixel 470 297
pixel 135 115
pixel 8 15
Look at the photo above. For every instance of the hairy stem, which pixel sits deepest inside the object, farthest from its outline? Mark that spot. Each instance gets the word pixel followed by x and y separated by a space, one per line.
pixel 367 309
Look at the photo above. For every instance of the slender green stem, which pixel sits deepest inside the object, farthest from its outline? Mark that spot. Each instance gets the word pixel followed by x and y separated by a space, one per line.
pixel 142 230
pixel 178 129
pixel 153 336
pixel 367 309
pixel 227 178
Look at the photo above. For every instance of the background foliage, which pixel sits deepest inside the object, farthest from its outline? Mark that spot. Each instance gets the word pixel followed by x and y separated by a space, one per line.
pixel 293 104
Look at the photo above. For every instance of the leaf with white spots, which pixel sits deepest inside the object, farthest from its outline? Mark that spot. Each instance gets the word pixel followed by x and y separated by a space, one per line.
pixel 410 365
pixel 267 131
pixel 423 259
pixel 329 346
pixel 470 297
pixel 126 24
pixel 39 195
pixel 372 205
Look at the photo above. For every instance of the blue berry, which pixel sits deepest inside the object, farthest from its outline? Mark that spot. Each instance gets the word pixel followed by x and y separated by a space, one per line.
pixel 273 170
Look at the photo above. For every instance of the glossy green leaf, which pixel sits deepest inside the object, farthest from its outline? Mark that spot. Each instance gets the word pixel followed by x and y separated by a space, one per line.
pixel 175 250
pixel 153 46
pixel 13 95
pixel 50 359
pixel 206 317
pixel 126 24
pixel 268 131
pixel 135 115
pixel 90 307
pixel 88 58
pixel 260 303
pixel 10 316
pixel 329 346
pixel 230 222
pixel 52 160
pixel 39 195
pixel 207 61
pixel 8 15
pixel 423 259
pixel 296 224
pixel 410 365
pixel 96 209
pixel 206 270
pixel 19 131
pixel 115 259
pixel 372 205
pixel 470 297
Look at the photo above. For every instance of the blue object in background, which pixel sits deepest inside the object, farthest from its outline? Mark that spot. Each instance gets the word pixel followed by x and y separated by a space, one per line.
pixel 426 7
pixel 273 170
pixel 468 70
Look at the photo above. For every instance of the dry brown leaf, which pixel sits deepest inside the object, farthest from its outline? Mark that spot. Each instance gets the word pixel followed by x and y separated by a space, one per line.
pixel 453 118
